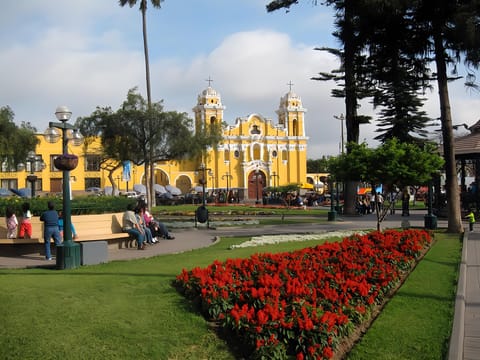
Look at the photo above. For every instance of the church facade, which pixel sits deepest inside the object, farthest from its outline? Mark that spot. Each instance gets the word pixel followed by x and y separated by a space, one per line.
pixel 255 153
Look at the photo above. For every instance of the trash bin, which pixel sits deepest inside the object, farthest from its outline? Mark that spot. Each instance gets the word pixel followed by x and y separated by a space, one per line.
pixel 202 214
pixel 430 222
pixel 68 256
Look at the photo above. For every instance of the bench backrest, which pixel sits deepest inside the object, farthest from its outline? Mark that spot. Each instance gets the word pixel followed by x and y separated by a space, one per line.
pixel 84 225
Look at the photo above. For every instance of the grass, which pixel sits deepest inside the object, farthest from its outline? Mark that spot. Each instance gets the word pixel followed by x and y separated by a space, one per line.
pixel 416 323
pixel 124 310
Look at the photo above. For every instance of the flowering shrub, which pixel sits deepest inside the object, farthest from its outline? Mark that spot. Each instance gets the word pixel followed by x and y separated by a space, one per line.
pixel 303 303
pixel 276 239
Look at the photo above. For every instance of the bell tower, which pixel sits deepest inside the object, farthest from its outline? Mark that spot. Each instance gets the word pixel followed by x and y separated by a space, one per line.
pixel 209 108
pixel 291 113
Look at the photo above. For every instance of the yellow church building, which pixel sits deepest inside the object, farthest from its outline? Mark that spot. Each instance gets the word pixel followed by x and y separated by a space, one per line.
pixel 255 152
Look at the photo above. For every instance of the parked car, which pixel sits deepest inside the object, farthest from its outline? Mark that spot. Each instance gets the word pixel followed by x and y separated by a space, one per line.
pixel 169 199
pixel 23 192
pixel 6 193
pixel 130 194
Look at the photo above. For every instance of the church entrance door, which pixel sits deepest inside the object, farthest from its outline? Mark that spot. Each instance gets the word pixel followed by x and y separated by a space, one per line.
pixel 256 183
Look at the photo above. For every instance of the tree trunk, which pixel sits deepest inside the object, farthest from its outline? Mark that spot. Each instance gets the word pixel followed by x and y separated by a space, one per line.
pixel 351 121
pixel 152 200
pixel 145 51
pixel 149 169
pixel 453 196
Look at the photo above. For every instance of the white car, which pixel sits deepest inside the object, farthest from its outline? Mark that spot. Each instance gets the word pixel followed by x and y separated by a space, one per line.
pixel 130 194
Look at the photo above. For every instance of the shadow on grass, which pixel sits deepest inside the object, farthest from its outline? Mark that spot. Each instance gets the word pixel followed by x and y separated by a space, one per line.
pixel 406 294
pixel 239 349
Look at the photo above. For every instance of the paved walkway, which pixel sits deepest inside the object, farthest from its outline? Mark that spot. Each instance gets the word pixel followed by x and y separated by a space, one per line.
pixel 465 340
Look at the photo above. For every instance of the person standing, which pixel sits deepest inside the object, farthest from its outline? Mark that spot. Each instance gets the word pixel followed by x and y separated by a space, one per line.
pixel 60 226
pixel 131 226
pixel 406 202
pixel 25 231
pixel 471 219
pixel 50 228
pixel 11 222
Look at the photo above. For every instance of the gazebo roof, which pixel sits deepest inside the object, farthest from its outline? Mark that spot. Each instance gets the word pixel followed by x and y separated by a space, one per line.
pixel 468 146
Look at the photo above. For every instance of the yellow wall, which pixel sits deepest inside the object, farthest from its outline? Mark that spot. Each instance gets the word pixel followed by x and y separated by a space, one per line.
pixel 277 150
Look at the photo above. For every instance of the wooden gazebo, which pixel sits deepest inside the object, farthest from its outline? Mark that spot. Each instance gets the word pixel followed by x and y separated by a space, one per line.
pixel 467 156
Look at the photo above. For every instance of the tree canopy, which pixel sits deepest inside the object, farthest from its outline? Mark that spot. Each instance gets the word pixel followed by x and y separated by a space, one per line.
pixel 15 141
pixel 136 130
pixel 394 164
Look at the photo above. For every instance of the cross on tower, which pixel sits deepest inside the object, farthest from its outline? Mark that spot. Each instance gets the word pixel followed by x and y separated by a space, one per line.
pixel 290 84
pixel 209 81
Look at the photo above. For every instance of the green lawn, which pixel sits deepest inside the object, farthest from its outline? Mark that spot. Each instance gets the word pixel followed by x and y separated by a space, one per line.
pixel 126 310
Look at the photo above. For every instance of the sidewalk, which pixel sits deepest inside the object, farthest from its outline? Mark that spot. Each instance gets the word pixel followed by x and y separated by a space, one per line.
pixel 465 339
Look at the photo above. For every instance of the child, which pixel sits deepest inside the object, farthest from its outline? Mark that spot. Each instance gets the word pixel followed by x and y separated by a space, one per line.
pixel 60 226
pixel 12 223
pixel 26 224
pixel 471 219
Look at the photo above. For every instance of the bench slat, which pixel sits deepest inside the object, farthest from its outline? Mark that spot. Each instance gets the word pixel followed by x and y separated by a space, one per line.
pixel 88 227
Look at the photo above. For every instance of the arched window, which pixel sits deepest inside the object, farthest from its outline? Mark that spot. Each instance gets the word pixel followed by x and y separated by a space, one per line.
pixel 295 127
pixel 256 152
pixel 226 154
pixel 284 155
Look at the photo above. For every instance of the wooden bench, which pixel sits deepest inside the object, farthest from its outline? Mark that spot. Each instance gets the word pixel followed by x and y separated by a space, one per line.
pixel 98 227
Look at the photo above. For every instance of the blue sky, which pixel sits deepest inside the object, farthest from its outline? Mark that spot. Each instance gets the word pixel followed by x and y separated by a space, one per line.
pixel 88 53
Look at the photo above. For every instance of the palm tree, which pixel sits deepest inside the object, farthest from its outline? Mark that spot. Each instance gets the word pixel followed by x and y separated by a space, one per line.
pixel 143 9
pixel 149 171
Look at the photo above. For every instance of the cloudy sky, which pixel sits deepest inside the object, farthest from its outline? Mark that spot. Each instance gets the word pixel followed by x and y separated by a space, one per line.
pixel 88 53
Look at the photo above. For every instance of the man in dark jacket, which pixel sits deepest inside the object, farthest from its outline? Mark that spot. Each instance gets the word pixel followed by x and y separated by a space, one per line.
pixel 50 228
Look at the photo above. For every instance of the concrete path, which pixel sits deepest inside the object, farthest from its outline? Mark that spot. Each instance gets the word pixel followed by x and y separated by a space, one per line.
pixel 465 340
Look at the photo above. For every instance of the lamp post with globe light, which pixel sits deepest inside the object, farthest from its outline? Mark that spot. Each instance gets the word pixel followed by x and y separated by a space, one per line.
pixel 36 164
pixel 68 253
pixel 229 177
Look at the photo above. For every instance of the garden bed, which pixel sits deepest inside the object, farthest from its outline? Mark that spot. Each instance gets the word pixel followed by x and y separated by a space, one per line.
pixel 312 303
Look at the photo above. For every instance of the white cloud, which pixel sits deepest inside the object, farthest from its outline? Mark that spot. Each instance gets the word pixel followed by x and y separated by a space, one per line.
pixel 89 53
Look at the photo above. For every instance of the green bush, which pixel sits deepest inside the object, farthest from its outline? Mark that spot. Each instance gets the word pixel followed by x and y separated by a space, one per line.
pixel 80 204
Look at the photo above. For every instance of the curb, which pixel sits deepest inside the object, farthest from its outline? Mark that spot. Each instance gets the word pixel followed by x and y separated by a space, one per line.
pixel 458 330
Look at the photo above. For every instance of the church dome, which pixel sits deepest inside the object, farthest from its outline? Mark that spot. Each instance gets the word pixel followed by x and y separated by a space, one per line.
pixel 209 91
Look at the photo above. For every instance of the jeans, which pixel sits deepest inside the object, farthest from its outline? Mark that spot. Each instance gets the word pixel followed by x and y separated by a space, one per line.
pixel 50 232
pixel 148 235
pixel 137 235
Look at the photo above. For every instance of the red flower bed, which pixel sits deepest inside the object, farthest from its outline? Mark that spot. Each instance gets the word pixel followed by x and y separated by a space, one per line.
pixel 303 303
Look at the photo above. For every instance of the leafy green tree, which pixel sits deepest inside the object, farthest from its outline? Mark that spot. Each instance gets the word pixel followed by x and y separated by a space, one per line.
pixel 15 142
pixel 397 75
pixel 453 31
pixel 149 170
pixel 136 130
pixel 351 59
pixel 318 165
pixel 393 165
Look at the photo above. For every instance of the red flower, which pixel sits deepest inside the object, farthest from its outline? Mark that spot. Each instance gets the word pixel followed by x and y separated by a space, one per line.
pixel 286 296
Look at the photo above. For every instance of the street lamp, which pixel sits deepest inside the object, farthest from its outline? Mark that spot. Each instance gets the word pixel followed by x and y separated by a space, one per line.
pixel 203 169
pixel 36 164
pixel 68 253
pixel 275 177
pixel 212 178
pixel 430 220
pixel 32 178
pixel 228 177
pixel 118 178
pixel 332 214
pixel 342 143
